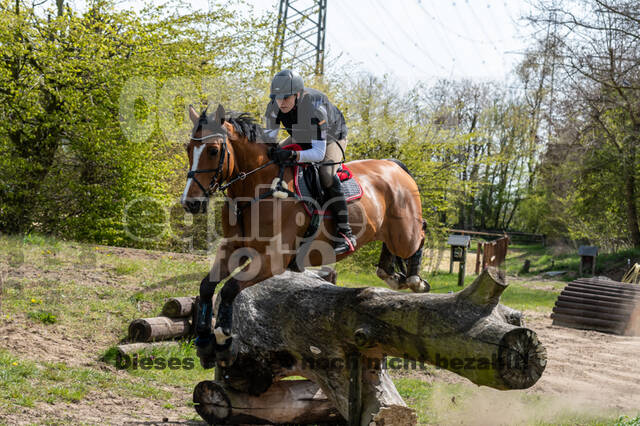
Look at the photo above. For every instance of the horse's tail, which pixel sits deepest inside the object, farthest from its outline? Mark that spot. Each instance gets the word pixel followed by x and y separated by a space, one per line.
pixel 402 165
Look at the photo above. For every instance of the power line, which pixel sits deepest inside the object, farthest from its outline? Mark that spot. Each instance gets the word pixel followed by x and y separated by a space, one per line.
pixel 382 42
pixel 399 26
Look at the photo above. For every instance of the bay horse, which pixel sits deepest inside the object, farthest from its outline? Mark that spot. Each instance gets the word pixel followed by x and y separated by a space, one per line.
pixel 227 152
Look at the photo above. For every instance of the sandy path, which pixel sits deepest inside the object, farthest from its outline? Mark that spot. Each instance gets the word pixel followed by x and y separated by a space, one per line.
pixel 588 373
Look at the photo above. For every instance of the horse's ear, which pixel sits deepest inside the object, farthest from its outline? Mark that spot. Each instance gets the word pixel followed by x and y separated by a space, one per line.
pixel 220 114
pixel 193 115
pixel 231 132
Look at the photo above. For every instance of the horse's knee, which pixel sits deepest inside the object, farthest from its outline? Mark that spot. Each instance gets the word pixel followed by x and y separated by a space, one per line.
pixel 230 290
pixel 207 289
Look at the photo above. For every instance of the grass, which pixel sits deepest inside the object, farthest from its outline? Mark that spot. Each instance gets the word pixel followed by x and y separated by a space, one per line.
pixel 544 259
pixel 518 295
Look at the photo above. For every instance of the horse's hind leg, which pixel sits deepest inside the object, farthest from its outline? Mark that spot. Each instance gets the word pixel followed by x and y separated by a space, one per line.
pixel 386 270
pixel 414 263
pixel 414 282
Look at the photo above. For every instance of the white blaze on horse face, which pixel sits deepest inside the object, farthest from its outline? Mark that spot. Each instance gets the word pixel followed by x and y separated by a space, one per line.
pixel 196 159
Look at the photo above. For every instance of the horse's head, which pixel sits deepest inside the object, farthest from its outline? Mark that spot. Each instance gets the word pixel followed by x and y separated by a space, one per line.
pixel 220 147
pixel 209 159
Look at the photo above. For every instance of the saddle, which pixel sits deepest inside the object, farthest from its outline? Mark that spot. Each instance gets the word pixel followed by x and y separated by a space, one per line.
pixel 307 185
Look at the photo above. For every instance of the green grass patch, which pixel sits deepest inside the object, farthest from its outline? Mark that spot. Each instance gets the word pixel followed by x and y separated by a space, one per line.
pixel 175 365
pixel 518 295
pixel 545 259
pixel 127 268
pixel 44 317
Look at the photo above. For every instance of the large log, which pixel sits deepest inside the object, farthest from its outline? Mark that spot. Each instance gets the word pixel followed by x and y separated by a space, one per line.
pixel 290 401
pixel 293 324
pixel 158 328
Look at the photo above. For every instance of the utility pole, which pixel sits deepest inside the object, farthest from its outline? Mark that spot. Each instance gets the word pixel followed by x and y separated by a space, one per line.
pixel 300 35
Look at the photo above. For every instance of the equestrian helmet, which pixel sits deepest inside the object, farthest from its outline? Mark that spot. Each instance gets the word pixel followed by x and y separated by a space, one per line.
pixel 286 83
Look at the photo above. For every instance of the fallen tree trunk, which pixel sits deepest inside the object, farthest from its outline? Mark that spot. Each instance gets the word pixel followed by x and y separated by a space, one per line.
pixel 293 324
pixel 290 401
pixel 158 328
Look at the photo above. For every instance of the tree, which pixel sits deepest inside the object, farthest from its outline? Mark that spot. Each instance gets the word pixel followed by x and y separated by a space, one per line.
pixel 597 61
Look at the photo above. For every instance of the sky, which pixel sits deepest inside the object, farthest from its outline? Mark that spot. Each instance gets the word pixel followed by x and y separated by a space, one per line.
pixel 416 40
pixel 424 40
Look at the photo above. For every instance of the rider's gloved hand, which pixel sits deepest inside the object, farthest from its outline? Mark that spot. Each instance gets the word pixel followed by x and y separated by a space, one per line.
pixel 281 155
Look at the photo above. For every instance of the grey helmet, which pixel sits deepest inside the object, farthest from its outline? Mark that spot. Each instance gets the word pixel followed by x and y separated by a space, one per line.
pixel 286 83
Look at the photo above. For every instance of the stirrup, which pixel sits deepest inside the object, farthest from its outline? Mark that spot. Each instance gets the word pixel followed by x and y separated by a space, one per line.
pixel 347 245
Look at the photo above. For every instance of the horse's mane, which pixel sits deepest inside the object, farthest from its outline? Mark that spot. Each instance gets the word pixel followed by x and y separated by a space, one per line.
pixel 243 123
pixel 247 126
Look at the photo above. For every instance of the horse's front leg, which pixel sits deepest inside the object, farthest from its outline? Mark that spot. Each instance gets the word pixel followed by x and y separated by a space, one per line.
pixel 261 267
pixel 219 271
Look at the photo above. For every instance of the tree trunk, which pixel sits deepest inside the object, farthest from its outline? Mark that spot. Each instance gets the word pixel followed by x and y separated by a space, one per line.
pixel 290 401
pixel 630 199
pixel 293 324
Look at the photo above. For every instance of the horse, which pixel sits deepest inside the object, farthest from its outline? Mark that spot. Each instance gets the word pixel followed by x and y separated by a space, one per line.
pixel 228 152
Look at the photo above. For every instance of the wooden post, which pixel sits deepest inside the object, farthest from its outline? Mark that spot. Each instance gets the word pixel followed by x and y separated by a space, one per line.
pixel 451 261
pixel 463 264
pixel 478 256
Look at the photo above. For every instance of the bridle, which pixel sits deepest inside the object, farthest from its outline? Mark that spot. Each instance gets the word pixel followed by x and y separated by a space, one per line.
pixel 217 181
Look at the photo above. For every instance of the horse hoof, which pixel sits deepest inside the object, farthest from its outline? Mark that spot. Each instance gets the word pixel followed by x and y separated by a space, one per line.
pixel 417 284
pixel 393 280
pixel 207 353
pixel 222 335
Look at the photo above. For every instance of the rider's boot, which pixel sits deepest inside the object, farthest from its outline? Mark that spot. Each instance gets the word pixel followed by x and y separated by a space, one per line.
pixel 346 242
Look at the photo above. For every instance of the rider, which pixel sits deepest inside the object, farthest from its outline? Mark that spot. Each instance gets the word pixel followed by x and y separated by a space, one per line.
pixel 319 128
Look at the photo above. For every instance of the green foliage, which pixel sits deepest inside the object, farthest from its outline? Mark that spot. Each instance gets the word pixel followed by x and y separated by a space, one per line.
pixel 93 112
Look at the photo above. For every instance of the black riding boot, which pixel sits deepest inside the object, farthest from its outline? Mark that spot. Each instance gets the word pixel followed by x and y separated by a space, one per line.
pixel 346 242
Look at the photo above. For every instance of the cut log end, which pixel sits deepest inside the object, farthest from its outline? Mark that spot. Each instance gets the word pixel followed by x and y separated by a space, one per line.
pixel 178 307
pixel 211 402
pixel 521 358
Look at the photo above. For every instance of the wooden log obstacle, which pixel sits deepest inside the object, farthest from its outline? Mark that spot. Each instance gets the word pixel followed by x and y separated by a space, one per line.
pixel 601 305
pixel 339 340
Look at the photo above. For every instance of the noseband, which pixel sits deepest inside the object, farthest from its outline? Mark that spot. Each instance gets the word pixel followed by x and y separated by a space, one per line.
pixel 216 179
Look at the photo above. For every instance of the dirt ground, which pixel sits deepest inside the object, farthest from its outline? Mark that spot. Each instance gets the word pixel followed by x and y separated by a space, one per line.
pixel 588 372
